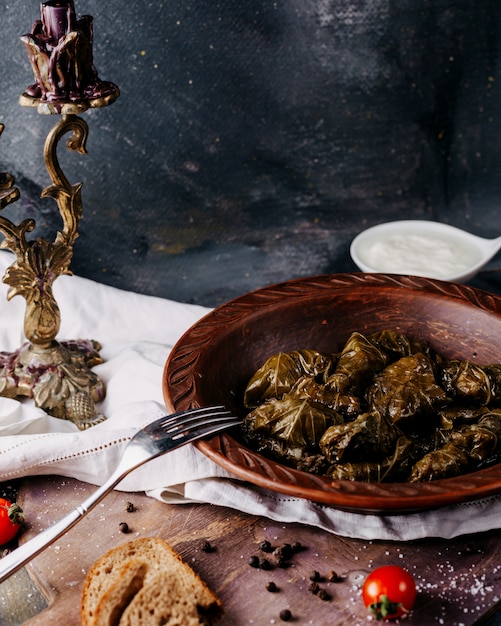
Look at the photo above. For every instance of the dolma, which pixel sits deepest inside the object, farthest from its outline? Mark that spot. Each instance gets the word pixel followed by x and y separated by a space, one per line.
pixel 467 381
pixel 455 415
pixel 445 462
pixel 313 464
pixel 347 405
pixel 281 371
pixel 371 436
pixel 386 408
pixel 406 390
pixel 476 441
pixel 394 344
pixel 492 420
pixel 484 438
pixel 392 468
pixel 494 373
pixel 397 345
pixel 288 427
pixel 358 361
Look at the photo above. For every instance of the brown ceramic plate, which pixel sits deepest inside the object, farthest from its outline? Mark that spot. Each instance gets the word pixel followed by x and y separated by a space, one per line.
pixel 215 358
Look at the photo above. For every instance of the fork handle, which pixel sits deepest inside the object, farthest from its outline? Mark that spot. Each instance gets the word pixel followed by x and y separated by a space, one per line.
pixel 16 559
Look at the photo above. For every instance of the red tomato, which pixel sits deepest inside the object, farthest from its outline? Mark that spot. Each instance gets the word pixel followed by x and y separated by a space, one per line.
pixel 389 592
pixel 11 519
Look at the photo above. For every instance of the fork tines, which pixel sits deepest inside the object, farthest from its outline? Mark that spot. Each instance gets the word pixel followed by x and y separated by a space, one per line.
pixel 203 421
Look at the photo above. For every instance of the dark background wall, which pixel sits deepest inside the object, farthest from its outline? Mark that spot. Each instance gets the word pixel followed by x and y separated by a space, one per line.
pixel 253 140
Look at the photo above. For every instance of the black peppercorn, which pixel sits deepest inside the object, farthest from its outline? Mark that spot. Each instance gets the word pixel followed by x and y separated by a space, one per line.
pixel 266 546
pixel 313 588
pixel 315 576
pixel 124 527
pixel 129 507
pixel 253 561
pixel 287 549
pixel 207 547
pixel 323 595
pixel 297 547
pixel 282 556
pixel 285 615
pixel 271 586
pixel 265 564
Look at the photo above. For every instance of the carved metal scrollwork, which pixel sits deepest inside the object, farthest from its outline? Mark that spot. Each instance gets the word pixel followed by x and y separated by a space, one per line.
pixel 56 374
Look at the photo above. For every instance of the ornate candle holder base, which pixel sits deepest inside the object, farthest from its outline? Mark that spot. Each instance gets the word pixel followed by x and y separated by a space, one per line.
pixel 55 374
pixel 58 378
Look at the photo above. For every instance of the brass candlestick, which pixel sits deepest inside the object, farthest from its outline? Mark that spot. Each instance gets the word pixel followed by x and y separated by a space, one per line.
pixel 55 374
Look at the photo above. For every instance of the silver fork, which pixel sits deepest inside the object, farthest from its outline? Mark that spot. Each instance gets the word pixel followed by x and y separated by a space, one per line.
pixel 159 437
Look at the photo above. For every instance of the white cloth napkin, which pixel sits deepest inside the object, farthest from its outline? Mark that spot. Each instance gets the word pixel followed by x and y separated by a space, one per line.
pixel 136 333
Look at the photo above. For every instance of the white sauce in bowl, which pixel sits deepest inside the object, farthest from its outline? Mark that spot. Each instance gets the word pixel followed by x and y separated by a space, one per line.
pixel 422 248
pixel 420 255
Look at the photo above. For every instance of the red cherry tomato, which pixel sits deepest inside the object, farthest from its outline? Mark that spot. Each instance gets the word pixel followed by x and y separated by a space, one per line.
pixel 389 592
pixel 11 519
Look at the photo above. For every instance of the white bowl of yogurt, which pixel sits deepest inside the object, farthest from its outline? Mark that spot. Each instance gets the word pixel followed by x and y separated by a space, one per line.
pixel 422 248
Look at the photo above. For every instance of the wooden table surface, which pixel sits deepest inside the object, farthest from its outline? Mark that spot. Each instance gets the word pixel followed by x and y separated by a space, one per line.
pixel 459 581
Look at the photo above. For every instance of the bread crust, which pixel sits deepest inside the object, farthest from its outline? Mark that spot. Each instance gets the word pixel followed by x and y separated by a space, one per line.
pixel 143 581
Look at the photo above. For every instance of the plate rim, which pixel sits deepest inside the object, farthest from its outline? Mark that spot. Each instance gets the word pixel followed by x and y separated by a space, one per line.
pixel 371 498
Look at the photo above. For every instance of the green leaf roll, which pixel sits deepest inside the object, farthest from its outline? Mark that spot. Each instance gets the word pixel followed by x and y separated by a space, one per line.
pixel 370 436
pixel 384 408
pixel 291 425
pixel 406 390
pixel 280 373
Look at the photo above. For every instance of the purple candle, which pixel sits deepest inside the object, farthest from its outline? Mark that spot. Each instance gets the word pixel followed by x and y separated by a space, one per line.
pixel 60 51
pixel 58 19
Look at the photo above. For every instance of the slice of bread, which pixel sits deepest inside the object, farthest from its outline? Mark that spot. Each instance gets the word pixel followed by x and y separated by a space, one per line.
pixel 167 600
pixel 145 582
pixel 117 597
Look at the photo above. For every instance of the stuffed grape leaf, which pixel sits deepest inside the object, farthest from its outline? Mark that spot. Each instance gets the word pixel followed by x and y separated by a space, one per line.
pixel 370 436
pixel 357 362
pixel 445 462
pixel 476 441
pixel 492 420
pixel 396 345
pixel 290 426
pixel 385 408
pixel 348 405
pixel 455 415
pixel 467 381
pixel 406 390
pixel 280 373
pixel 391 468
